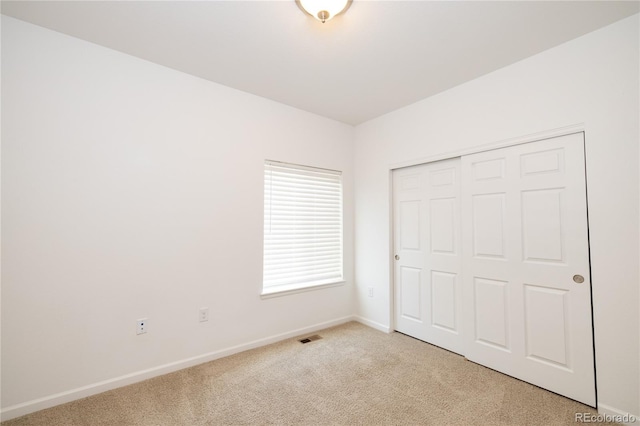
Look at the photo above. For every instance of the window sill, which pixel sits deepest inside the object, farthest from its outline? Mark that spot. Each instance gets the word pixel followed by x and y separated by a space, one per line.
pixel 300 288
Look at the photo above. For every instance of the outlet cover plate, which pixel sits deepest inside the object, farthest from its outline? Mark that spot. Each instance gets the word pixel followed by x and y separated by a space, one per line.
pixel 203 314
pixel 141 326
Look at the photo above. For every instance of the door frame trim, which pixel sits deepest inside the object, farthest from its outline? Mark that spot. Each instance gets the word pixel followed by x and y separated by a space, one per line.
pixel 533 137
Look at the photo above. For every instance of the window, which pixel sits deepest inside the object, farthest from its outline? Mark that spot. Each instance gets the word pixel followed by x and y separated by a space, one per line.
pixel 302 227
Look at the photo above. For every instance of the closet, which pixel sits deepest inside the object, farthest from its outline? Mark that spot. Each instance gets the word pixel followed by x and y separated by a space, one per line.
pixel 491 261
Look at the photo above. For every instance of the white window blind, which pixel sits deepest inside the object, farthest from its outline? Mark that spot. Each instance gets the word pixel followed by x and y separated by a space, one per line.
pixel 302 226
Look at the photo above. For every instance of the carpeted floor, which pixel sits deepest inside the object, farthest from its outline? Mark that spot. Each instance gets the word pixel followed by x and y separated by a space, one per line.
pixel 354 375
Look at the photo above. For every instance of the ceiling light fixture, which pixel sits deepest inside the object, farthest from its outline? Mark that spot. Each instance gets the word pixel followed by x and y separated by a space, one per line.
pixel 323 10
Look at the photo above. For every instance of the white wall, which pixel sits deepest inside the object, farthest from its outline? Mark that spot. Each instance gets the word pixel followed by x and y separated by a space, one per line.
pixel 131 190
pixel 592 81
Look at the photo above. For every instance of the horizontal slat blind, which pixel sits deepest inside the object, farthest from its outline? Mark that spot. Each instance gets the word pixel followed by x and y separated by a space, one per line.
pixel 302 226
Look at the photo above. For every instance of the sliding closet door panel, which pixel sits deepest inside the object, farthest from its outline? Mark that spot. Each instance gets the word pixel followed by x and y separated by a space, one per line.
pixel 428 285
pixel 526 264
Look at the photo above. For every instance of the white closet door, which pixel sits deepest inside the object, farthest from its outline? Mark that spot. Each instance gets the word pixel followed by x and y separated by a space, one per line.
pixel 428 287
pixel 527 295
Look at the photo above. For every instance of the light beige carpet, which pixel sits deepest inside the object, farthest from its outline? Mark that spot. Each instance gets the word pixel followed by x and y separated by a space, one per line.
pixel 354 375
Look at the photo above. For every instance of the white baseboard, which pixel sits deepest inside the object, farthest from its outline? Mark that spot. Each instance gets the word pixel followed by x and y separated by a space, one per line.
pixel 372 324
pixel 103 386
pixel 614 415
pixel 138 376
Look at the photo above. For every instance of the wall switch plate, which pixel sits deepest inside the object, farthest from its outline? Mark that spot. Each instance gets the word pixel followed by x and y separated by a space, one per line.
pixel 370 289
pixel 203 314
pixel 141 326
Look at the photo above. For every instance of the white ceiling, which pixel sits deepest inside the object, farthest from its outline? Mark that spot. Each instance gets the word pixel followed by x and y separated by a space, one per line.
pixel 377 57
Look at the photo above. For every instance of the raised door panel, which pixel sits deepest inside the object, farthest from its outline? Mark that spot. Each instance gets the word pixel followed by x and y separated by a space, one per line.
pixel 546 327
pixel 409 182
pixel 491 312
pixel 442 177
pixel 442 225
pixel 488 218
pixel 487 170
pixel 409 225
pixel 410 293
pixel 542 236
pixel 444 301
pixel 542 162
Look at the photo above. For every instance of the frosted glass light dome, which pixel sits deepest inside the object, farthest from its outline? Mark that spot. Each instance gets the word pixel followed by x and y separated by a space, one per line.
pixel 324 10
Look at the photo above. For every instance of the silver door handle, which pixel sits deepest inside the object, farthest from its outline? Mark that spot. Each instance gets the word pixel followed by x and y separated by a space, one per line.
pixel 579 279
pixel 397 257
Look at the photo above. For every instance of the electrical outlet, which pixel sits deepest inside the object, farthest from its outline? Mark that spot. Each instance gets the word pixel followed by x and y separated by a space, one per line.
pixel 141 326
pixel 203 314
pixel 370 291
